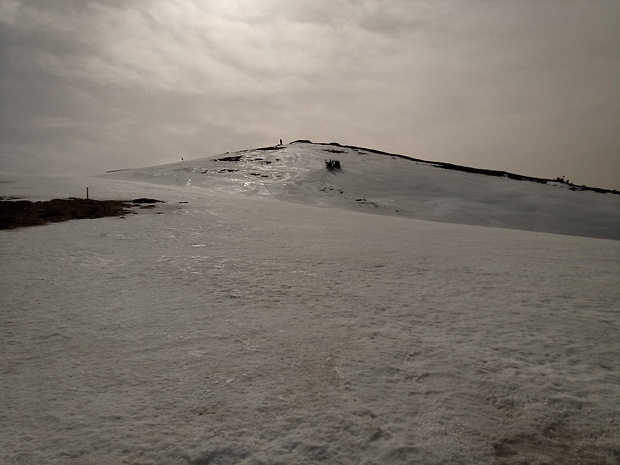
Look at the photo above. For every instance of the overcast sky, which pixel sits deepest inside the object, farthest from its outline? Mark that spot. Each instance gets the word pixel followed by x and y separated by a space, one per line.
pixel 528 86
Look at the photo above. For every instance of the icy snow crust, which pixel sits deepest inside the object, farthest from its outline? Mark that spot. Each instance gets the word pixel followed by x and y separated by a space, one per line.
pixel 239 329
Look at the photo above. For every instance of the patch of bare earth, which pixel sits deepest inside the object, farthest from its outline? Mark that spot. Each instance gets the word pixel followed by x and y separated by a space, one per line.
pixel 22 213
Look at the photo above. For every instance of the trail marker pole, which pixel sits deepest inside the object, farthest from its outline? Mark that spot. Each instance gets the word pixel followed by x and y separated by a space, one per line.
pixel 87 193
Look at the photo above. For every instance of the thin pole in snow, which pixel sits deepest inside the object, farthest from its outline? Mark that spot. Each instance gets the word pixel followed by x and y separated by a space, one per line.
pixel 87 193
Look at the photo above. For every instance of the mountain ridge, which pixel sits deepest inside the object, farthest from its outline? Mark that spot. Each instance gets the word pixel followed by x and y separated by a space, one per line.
pixel 471 169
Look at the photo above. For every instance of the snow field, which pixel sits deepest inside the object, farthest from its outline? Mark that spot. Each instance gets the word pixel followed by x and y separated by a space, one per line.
pixel 240 329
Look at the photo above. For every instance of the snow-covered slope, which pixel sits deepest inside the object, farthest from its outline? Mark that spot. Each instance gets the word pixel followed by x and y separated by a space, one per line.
pixel 395 185
pixel 229 327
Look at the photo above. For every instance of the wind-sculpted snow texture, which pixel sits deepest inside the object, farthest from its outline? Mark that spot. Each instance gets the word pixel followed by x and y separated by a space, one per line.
pixel 226 327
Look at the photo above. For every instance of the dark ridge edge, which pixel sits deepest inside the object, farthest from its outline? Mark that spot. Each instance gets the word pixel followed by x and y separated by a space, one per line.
pixel 469 169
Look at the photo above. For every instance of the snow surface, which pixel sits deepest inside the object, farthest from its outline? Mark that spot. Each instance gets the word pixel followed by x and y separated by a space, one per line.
pixel 239 328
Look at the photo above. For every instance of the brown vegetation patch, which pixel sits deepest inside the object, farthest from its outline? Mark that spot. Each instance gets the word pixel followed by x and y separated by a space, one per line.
pixel 234 158
pixel 21 213
pixel 142 200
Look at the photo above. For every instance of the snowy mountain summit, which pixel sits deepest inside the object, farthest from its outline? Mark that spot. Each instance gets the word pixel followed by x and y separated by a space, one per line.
pixel 389 184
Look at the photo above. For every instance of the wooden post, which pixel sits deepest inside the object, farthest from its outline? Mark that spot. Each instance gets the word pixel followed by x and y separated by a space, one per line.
pixel 87 193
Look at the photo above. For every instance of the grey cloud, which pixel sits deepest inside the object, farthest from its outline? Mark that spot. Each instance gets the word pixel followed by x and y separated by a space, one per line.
pixel 525 86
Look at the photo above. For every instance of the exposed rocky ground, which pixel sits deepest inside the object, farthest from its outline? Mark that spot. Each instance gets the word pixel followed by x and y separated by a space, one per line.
pixel 15 213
